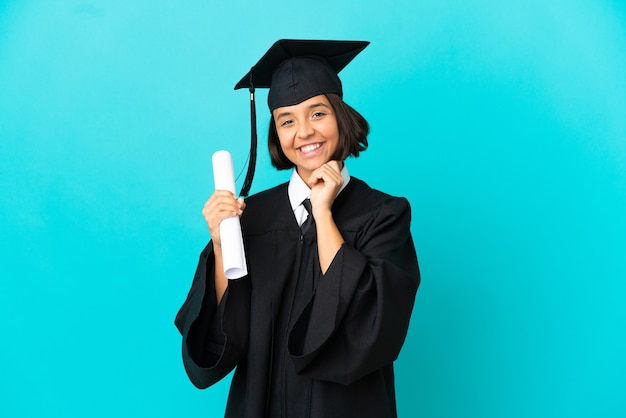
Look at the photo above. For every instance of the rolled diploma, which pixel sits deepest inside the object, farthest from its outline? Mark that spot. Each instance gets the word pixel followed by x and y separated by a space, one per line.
pixel 233 254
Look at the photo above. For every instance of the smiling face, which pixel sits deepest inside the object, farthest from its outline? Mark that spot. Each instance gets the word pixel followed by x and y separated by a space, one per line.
pixel 308 133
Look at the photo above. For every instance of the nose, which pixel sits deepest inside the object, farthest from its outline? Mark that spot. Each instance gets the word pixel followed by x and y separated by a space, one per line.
pixel 305 129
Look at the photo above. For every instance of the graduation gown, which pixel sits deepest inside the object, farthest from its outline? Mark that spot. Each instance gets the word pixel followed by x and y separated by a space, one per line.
pixel 305 344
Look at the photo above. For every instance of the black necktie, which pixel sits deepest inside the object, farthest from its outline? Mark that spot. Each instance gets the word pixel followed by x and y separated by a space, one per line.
pixel 309 220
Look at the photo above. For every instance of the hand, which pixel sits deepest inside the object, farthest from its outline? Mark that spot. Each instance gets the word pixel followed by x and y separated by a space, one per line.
pixel 221 205
pixel 325 183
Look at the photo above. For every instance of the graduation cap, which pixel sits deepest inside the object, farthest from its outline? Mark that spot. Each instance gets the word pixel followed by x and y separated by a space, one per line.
pixel 294 71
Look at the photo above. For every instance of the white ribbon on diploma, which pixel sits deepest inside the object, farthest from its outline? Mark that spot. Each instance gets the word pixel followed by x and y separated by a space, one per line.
pixel 233 254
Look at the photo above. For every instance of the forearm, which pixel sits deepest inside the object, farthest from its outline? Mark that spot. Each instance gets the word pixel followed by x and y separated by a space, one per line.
pixel 329 239
pixel 221 282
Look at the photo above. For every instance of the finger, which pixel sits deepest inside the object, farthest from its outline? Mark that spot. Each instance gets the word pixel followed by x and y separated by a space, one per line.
pixel 335 165
pixel 329 175
pixel 221 205
pixel 318 174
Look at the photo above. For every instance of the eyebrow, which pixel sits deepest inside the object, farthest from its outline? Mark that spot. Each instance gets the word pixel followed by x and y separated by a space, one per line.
pixel 312 106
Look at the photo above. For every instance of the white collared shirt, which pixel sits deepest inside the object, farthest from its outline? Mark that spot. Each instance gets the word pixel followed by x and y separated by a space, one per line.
pixel 298 191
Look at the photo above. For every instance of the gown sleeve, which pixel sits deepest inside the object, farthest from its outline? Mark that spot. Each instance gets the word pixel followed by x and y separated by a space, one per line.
pixel 215 337
pixel 358 318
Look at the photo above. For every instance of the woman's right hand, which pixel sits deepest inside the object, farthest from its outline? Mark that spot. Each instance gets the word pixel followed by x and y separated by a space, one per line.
pixel 221 205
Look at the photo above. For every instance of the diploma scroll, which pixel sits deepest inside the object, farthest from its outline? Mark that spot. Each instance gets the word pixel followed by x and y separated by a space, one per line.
pixel 233 254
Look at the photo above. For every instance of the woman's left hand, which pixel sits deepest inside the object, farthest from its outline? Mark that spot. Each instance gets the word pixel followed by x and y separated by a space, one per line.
pixel 325 183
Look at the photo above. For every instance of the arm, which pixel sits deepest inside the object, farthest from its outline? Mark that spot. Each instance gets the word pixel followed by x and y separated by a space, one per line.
pixel 215 338
pixel 357 320
pixel 329 239
pixel 221 205
pixel 215 333
pixel 221 282
pixel 325 183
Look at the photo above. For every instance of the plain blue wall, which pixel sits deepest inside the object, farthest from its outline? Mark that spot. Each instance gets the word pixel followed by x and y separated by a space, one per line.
pixel 504 124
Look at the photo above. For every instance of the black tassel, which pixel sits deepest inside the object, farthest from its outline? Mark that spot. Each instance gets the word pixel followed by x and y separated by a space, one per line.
pixel 245 189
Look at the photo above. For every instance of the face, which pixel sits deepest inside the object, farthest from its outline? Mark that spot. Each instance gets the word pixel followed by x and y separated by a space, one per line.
pixel 308 133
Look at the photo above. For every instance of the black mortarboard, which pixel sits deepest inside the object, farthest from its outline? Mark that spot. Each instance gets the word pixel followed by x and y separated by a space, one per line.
pixel 294 71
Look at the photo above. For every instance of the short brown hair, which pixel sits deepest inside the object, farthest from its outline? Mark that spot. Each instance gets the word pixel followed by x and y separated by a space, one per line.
pixel 353 131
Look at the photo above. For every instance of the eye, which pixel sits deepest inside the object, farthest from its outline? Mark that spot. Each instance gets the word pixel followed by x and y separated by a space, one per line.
pixel 318 114
pixel 286 122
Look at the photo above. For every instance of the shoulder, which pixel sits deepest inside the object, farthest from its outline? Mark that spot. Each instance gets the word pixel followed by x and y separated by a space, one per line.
pixel 267 210
pixel 269 195
pixel 359 191
pixel 359 203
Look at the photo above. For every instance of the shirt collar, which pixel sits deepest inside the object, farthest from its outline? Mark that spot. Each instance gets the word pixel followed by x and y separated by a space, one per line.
pixel 298 189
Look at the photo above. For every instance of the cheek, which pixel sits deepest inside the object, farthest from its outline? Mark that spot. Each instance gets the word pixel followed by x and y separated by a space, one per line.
pixel 332 133
pixel 283 142
pixel 332 129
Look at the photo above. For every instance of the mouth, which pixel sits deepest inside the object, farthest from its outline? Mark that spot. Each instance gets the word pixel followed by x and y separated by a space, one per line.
pixel 310 147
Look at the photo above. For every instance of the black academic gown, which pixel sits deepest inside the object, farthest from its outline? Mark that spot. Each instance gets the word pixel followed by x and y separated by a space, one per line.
pixel 306 344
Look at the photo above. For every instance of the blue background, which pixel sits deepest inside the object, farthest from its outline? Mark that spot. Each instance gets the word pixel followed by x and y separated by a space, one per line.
pixel 503 123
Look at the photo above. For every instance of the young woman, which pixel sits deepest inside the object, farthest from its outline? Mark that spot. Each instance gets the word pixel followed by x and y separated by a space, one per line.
pixel 314 328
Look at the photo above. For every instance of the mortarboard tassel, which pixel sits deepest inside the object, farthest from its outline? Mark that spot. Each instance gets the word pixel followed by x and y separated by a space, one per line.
pixel 245 189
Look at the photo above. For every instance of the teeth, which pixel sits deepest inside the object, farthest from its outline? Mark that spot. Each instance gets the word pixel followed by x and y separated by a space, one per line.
pixel 309 148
